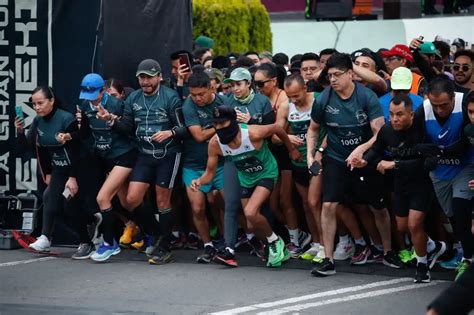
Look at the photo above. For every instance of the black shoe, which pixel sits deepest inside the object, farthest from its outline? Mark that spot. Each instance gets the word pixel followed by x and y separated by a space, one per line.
pixel 163 256
pixel 323 267
pixel 422 273
pixel 225 257
pixel 436 253
pixel 257 247
pixel 207 256
pixel 392 260
pixel 376 256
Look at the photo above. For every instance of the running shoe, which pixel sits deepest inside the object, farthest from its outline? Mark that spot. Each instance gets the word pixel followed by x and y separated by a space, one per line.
pixel 163 256
pixel 463 266
pixel 295 251
pixel 376 256
pixel 304 239
pixel 360 255
pixel 42 244
pixel 257 247
pixel 194 241
pixel 177 242
pixel 435 253
pixel 310 253
pixel 84 251
pixel 225 257
pixel 422 273
pixel 208 255
pixel 127 237
pixel 453 263
pixel 406 256
pixel 344 251
pixel 392 260
pixel 241 239
pixel 323 267
pixel 105 252
pixel 276 253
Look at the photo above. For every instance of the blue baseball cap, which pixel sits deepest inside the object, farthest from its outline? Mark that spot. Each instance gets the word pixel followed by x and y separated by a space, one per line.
pixel 91 86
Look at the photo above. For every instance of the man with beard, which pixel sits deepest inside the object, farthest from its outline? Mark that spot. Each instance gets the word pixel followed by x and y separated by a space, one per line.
pixel 462 70
pixel 151 114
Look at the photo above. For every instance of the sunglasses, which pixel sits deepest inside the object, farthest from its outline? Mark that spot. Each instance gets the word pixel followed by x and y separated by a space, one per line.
pixel 464 68
pixel 261 84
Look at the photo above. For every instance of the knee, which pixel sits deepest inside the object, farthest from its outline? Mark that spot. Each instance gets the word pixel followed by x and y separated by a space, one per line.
pixel 251 216
pixel 199 212
pixel 414 226
pixel 132 201
pixel 102 200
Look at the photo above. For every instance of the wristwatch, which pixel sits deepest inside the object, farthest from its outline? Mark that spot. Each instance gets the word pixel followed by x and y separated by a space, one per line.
pixel 321 150
pixel 397 164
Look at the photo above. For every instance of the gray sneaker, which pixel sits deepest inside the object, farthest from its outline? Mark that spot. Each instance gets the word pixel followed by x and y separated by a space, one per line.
pixel 84 251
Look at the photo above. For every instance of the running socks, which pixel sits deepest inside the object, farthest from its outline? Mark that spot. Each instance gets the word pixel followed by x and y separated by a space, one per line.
pixel 108 225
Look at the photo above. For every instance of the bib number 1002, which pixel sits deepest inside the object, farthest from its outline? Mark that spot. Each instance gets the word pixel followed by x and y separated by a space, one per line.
pixel 351 142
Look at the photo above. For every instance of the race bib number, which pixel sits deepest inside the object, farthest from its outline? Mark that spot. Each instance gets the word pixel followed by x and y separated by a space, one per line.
pixel 250 165
pixel 449 162
pixel 350 142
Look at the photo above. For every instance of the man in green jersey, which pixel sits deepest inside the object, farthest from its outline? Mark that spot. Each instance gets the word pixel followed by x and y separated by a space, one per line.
pixel 198 114
pixel 257 171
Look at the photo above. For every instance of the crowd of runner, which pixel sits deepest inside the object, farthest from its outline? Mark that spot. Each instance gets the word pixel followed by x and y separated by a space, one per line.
pixel 324 157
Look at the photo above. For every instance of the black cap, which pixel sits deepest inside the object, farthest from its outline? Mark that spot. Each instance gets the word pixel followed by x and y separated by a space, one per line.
pixel 149 67
pixel 223 113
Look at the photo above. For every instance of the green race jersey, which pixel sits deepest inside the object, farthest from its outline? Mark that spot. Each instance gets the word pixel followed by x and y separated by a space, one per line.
pixel 106 143
pixel 258 108
pixel 47 130
pixel 151 114
pixel 252 165
pixel 347 122
pixel 195 154
pixel 298 122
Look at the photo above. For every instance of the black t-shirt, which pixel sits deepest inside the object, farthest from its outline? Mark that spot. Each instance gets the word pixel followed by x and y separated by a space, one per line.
pixel 400 146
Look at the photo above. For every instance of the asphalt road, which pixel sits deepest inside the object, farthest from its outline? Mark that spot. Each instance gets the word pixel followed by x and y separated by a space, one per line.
pixel 32 284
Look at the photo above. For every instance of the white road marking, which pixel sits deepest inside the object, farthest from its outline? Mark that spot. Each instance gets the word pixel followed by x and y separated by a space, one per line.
pixel 28 261
pixel 256 307
pixel 360 296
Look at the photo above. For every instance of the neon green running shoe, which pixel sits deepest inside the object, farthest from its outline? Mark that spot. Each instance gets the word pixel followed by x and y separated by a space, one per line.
pixel 276 253
pixel 406 255
pixel 463 266
pixel 310 253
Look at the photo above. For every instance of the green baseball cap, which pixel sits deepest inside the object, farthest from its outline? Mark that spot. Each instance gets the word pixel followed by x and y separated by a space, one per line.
pixel 402 79
pixel 204 42
pixel 239 74
pixel 428 48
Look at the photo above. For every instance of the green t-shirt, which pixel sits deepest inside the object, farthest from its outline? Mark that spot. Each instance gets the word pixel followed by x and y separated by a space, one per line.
pixel 346 121
pixel 252 165
pixel 298 123
pixel 258 108
pixel 195 154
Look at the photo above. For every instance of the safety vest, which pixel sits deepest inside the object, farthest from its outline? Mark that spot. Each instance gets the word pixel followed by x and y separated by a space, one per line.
pixel 415 85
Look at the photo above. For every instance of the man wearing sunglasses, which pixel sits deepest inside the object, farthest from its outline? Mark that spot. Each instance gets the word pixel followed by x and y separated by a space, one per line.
pixel 462 69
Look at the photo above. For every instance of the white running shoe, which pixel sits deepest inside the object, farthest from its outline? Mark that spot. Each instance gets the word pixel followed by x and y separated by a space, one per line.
pixel 42 244
pixel 321 253
pixel 344 251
